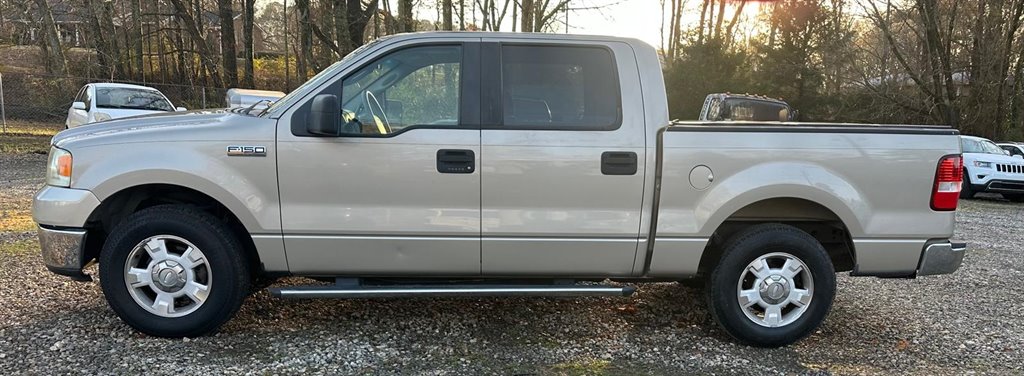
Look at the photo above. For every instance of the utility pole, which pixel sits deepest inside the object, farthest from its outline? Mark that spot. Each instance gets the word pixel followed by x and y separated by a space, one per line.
pixel 3 109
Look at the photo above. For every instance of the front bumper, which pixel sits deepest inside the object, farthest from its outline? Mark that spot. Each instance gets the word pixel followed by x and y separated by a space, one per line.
pixel 63 251
pixel 941 258
pixel 1003 186
pixel 63 207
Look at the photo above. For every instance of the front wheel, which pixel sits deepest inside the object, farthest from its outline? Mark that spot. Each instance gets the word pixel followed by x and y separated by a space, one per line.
pixel 174 271
pixel 966 189
pixel 773 285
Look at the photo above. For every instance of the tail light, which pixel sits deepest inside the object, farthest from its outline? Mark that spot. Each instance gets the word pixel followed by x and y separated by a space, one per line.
pixel 948 178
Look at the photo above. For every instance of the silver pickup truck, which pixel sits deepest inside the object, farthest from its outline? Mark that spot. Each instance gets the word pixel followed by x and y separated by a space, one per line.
pixel 488 164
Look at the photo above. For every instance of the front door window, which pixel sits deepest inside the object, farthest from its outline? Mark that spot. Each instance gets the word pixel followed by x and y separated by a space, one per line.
pixel 413 87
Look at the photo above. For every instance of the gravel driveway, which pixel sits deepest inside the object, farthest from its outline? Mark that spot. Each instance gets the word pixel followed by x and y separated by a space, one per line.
pixel 970 321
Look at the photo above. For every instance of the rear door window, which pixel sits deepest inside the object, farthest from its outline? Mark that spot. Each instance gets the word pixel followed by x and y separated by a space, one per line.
pixel 559 87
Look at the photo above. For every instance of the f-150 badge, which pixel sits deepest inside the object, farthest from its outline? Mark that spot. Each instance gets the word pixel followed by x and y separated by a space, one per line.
pixel 247 151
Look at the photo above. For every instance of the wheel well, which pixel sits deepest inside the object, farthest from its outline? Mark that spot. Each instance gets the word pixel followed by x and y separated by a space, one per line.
pixel 120 205
pixel 813 218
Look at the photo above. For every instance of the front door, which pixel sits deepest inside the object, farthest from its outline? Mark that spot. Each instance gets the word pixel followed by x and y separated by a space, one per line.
pixel 398 192
pixel 563 164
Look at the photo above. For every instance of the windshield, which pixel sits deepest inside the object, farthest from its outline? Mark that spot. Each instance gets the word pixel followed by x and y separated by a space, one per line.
pixel 980 146
pixel 131 98
pixel 324 75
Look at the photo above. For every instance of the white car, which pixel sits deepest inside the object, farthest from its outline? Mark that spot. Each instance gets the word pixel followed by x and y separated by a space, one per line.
pixel 104 101
pixel 989 168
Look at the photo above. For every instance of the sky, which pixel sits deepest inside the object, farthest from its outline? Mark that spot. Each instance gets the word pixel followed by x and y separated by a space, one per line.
pixel 639 19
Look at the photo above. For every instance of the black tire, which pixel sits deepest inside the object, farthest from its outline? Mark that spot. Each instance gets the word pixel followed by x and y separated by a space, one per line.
pixel 966 189
pixel 230 279
pixel 1015 197
pixel 746 246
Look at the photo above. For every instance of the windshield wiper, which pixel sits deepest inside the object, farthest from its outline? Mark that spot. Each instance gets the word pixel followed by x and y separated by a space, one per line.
pixel 252 106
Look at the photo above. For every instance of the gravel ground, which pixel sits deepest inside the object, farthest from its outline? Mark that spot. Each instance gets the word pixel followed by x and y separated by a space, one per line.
pixel 969 322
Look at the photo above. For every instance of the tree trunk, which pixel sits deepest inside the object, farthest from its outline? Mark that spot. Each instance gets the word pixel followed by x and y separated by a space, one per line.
pixel 341 32
pixel 446 15
pixel 206 55
pixel 718 21
pixel 700 28
pixel 305 56
pixel 101 43
pixel 462 15
pixel 179 55
pixel 358 18
pixel 136 38
pixel 229 54
pixel 527 15
pixel 56 63
pixel 405 21
pixel 249 53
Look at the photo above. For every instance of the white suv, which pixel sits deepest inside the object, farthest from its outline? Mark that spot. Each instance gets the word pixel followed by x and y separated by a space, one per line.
pixel 989 168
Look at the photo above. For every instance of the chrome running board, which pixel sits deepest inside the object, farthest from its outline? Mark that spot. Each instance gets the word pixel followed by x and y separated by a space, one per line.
pixel 313 292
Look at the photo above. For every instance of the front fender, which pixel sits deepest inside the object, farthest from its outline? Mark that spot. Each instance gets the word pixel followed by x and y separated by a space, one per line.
pixel 247 186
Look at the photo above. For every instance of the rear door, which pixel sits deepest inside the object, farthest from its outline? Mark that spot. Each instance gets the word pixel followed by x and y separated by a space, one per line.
pixel 562 163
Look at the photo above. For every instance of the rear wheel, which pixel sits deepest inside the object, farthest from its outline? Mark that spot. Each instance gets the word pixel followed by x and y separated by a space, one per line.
pixel 966 190
pixel 174 271
pixel 773 286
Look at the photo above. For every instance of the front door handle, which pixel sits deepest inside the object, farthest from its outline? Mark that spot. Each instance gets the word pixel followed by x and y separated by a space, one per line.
pixel 456 161
pixel 618 163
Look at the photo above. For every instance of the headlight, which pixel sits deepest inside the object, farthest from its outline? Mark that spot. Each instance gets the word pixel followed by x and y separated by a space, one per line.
pixel 100 116
pixel 982 164
pixel 58 170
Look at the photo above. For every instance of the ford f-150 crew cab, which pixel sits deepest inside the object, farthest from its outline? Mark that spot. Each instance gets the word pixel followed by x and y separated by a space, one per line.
pixel 473 164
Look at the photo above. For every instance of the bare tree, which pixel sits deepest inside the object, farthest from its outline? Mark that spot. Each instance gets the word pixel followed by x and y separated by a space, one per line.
pixel 56 63
pixel 192 23
pixel 405 20
pixel 359 14
pixel 229 54
pixel 341 31
pixel 100 18
pixel 937 83
pixel 305 53
pixel 248 52
pixel 446 15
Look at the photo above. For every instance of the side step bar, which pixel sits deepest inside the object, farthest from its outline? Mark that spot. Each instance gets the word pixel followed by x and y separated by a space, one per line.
pixel 311 292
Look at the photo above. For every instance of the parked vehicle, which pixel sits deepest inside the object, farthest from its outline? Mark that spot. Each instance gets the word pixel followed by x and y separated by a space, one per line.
pixel 388 174
pixel 990 168
pixel 1016 149
pixel 745 107
pixel 104 101
pixel 251 99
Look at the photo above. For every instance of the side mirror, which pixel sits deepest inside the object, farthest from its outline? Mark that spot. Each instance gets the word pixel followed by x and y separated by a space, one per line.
pixel 324 115
pixel 78 106
pixel 180 109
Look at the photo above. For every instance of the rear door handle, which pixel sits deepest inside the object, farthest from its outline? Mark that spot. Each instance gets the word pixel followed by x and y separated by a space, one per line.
pixel 618 163
pixel 456 161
